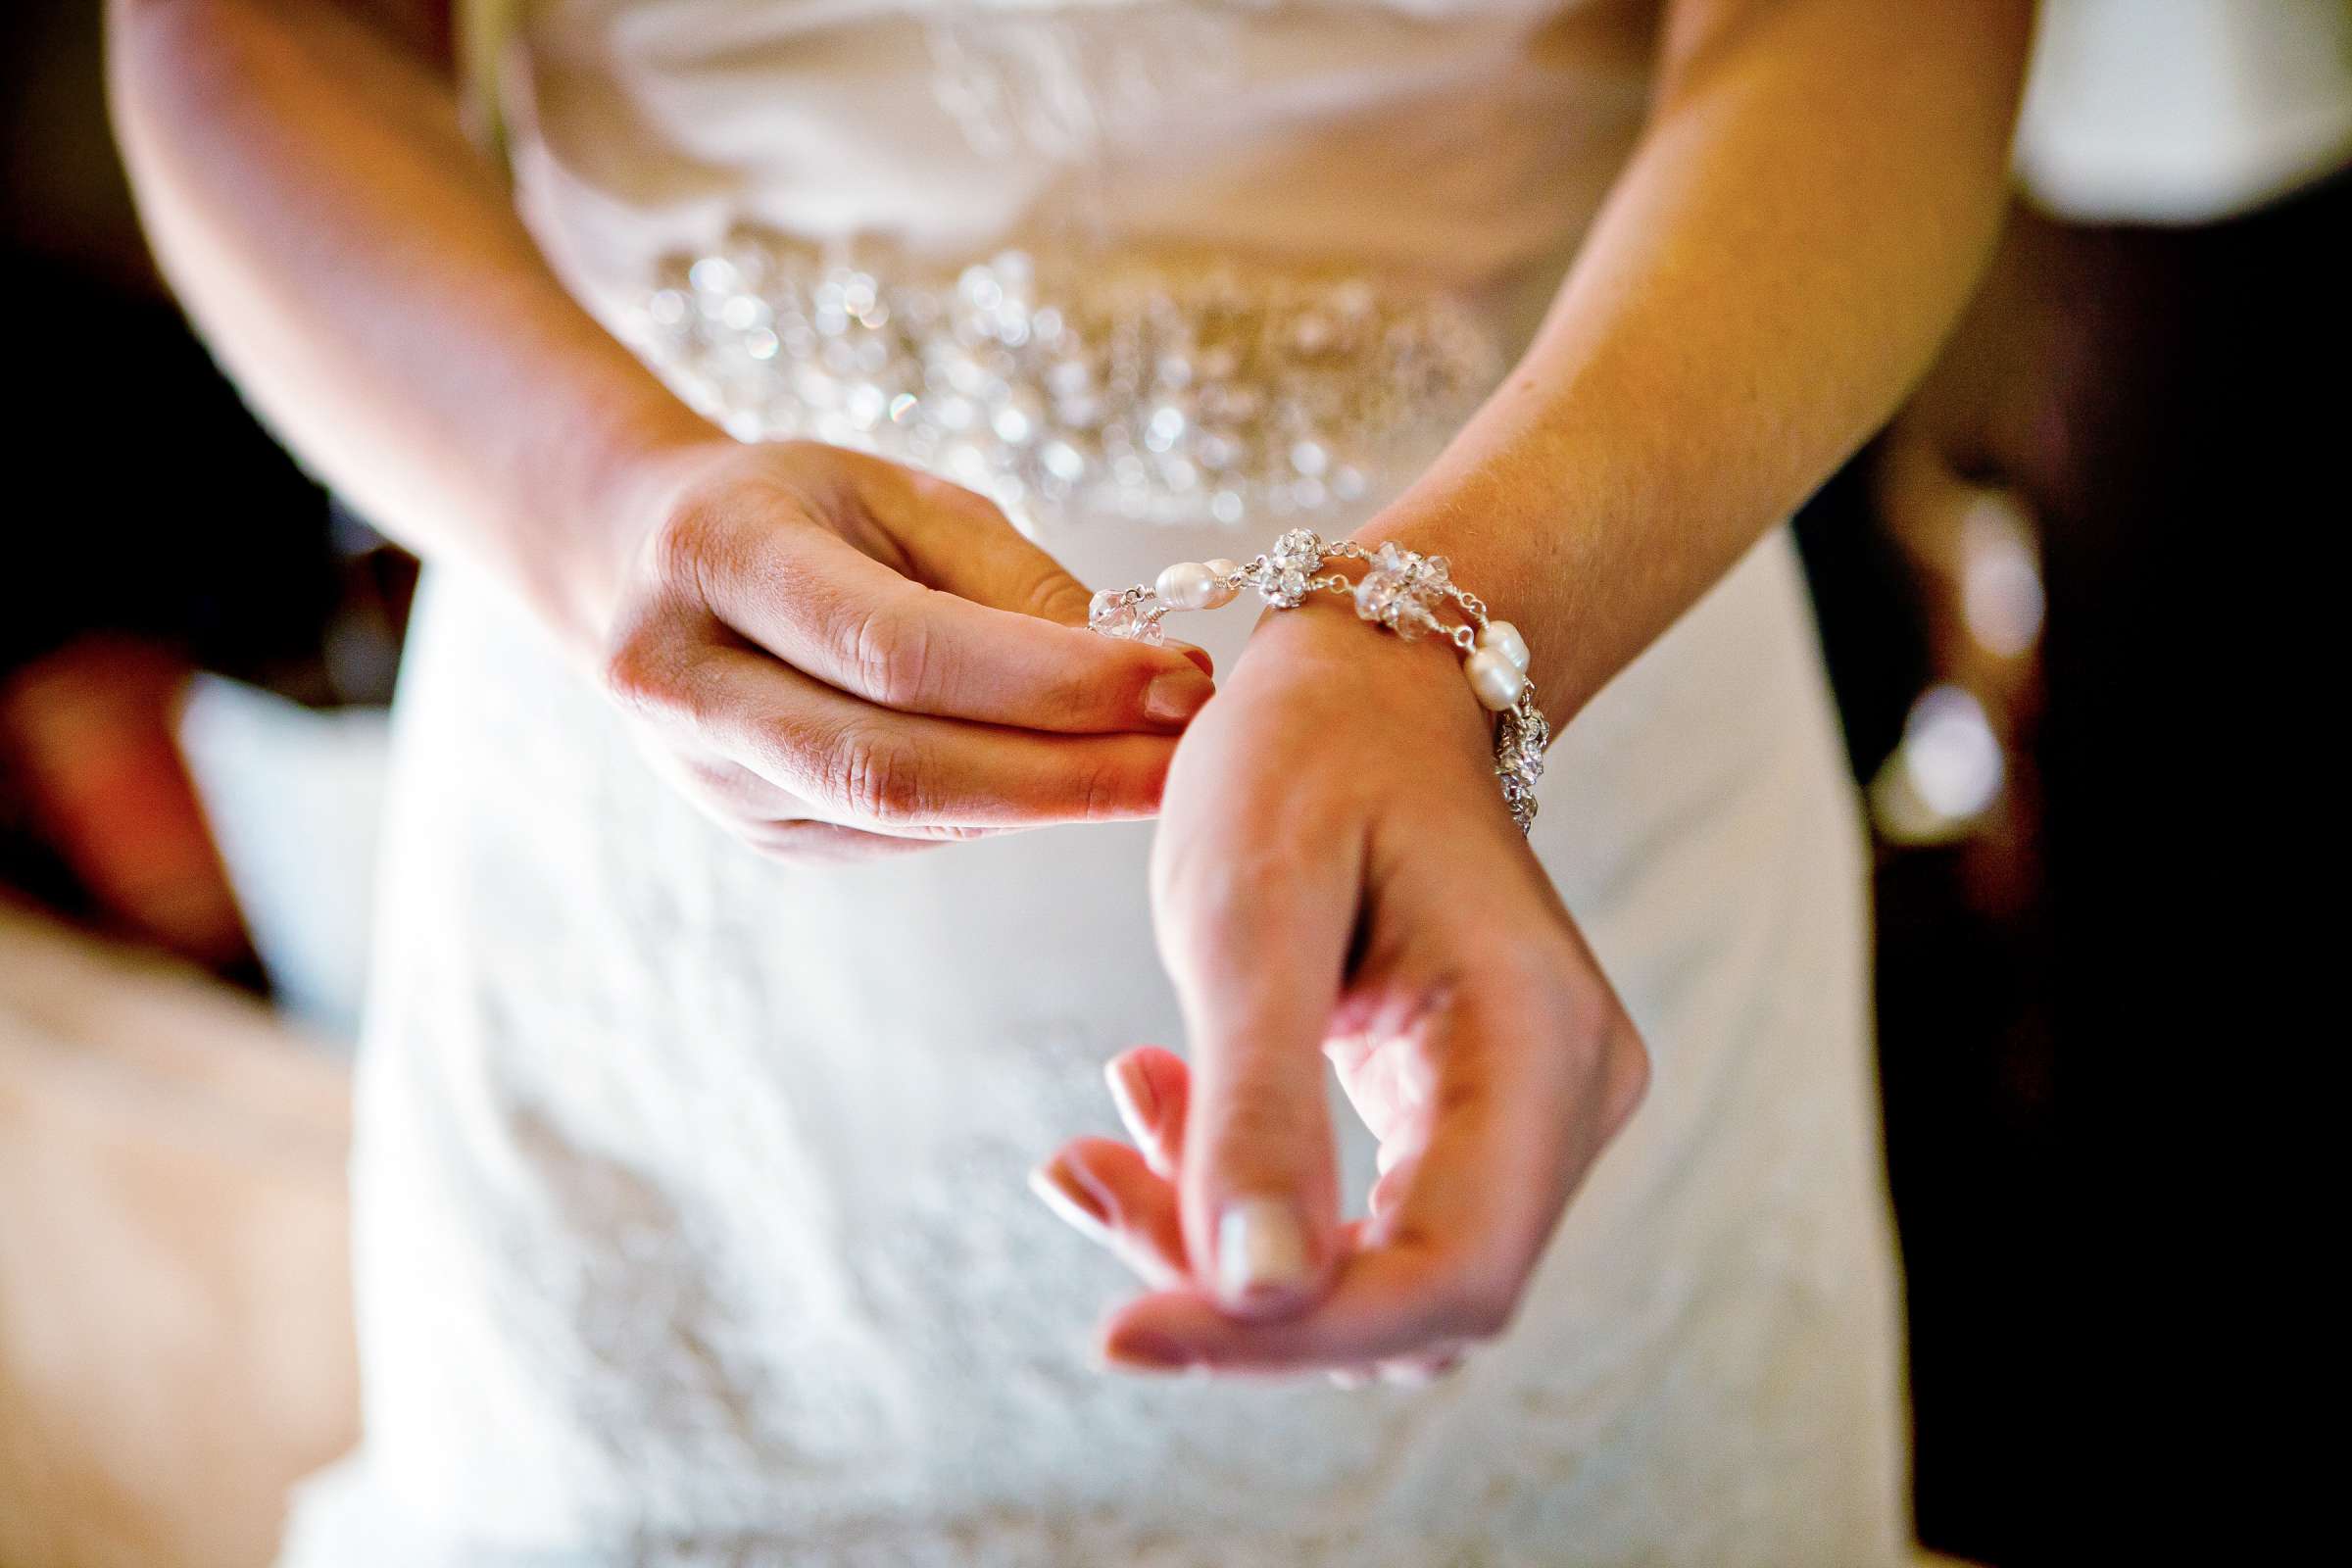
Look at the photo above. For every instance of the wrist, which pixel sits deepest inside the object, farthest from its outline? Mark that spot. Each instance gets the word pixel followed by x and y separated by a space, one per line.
pixel 1538 516
pixel 627 478
pixel 1325 653
pixel 1514 589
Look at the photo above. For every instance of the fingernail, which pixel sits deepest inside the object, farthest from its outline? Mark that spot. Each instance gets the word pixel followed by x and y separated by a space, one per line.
pixel 1064 1193
pixel 1146 1352
pixel 1176 696
pixel 1194 652
pixel 1132 1092
pixel 1260 1247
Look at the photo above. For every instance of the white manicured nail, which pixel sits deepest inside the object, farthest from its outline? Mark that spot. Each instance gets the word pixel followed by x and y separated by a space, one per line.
pixel 1131 1092
pixel 1260 1247
pixel 1062 1194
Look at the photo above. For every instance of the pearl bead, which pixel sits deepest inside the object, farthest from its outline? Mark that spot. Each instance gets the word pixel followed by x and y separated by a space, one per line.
pixel 1496 681
pixel 1187 585
pixel 1503 638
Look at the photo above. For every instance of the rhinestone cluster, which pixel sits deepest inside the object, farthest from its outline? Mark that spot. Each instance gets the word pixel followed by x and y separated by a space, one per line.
pixel 1140 389
pixel 1400 590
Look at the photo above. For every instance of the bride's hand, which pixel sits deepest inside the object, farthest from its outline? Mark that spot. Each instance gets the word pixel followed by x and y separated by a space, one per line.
pixel 833 653
pixel 1336 875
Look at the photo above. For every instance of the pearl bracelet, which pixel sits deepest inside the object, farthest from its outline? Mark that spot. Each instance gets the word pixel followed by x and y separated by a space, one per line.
pixel 1400 592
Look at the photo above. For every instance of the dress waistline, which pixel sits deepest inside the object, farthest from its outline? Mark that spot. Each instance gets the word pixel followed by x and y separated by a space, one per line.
pixel 1160 390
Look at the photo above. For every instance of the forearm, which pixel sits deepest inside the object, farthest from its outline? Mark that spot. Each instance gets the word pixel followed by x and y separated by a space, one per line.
pixel 357 267
pixel 1806 217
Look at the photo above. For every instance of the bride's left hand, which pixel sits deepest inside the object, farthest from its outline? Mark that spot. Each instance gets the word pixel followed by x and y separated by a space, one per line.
pixel 1336 876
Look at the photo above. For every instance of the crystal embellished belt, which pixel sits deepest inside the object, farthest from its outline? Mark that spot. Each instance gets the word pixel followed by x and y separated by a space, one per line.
pixel 1083 383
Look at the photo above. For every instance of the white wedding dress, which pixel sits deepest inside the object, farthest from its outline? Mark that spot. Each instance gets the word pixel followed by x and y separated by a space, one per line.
pixel 689 1205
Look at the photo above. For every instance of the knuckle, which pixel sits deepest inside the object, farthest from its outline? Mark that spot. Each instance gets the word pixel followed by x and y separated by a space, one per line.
pixel 1584 1019
pixel 1102 792
pixel 1482 1302
pixel 640 676
pixel 1581 1027
pixel 1053 594
pixel 1080 694
pixel 1590 1026
pixel 876 778
pixel 1063 598
pixel 688 548
pixel 890 651
pixel 1627 1083
pixel 1116 788
pixel 1252 1127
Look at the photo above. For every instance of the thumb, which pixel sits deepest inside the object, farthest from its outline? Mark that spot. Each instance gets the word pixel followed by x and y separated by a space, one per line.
pixel 1256 949
pixel 961 542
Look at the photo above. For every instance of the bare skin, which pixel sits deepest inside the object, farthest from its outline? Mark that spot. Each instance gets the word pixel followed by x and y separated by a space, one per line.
pixel 830 654
pixel 1819 184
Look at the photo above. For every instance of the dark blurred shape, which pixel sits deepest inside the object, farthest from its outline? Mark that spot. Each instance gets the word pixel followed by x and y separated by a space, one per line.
pixel 2165 407
pixel 159 530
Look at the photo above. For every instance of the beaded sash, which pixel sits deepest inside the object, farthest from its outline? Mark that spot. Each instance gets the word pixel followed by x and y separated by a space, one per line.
pixel 1079 384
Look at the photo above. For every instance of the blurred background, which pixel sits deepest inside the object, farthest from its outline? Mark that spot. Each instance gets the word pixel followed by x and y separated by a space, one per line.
pixel 2026 589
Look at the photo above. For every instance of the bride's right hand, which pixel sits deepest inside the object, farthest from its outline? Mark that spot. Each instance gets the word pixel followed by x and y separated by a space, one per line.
pixel 832 654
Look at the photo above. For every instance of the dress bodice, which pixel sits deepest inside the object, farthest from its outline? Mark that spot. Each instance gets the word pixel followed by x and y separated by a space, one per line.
pixel 1257 256
pixel 1458 139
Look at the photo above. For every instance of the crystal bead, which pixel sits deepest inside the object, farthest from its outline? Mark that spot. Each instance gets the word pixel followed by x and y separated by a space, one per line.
pixel 1400 590
pixel 1290 567
pixel 1114 615
pixel 1297 547
pixel 1124 386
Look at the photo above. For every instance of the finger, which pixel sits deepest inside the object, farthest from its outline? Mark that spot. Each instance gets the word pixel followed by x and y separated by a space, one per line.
pixel 1529 1082
pixel 1255 933
pixel 1397 1171
pixel 774 823
pixel 1384 1303
pixel 823 605
pixel 1151 1088
pixel 1106 1193
pixel 803 840
pixel 1521 1113
pixel 903 773
pixel 1197 655
pixel 960 541
pixel 957 539
pixel 1384 1071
